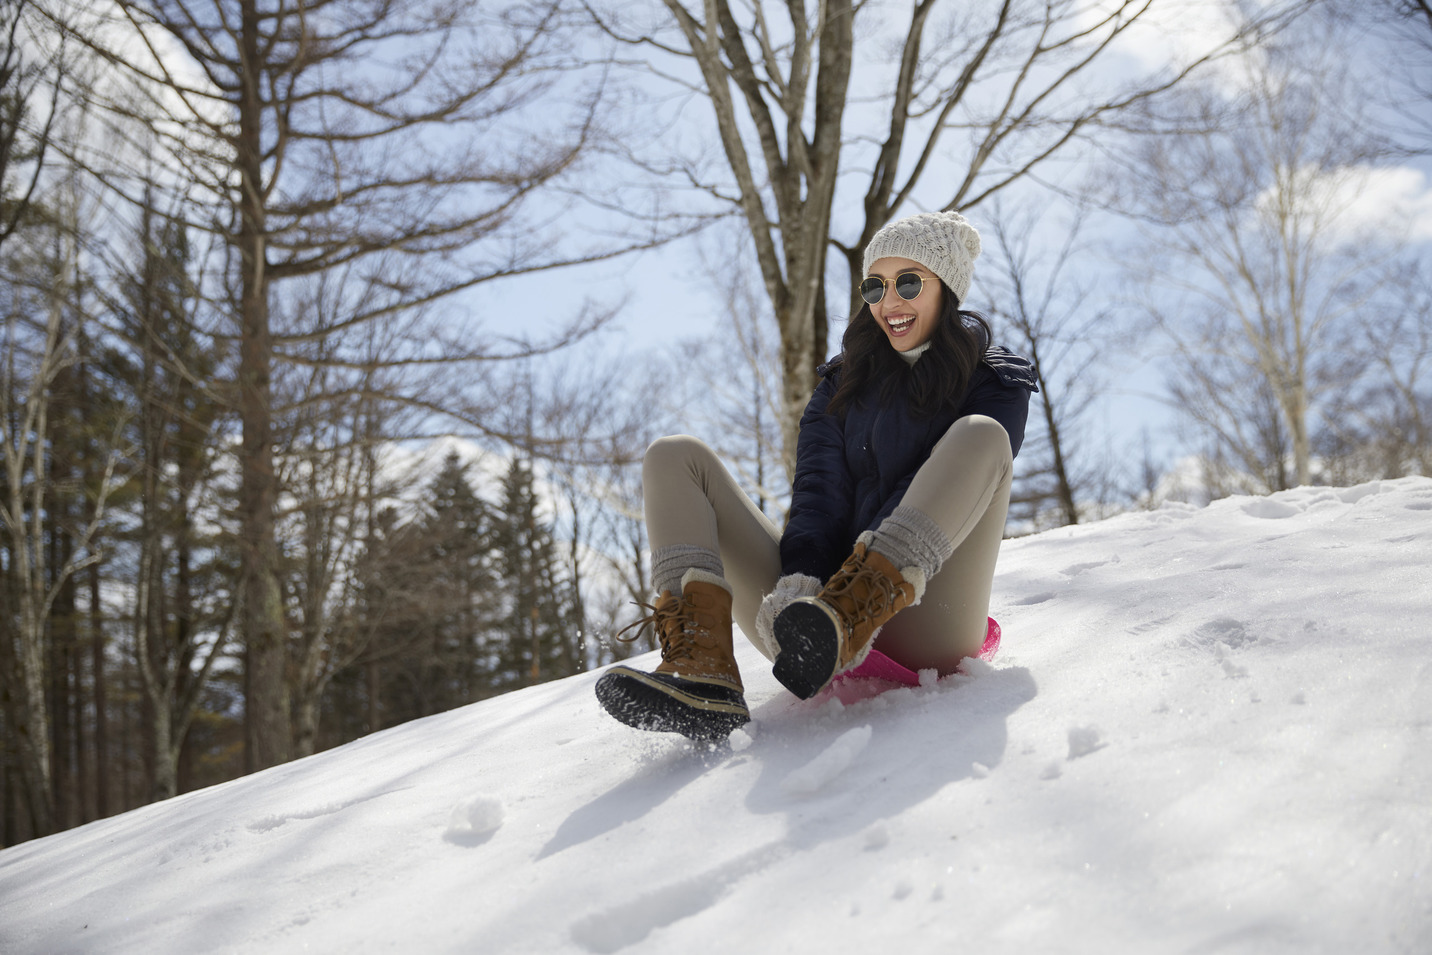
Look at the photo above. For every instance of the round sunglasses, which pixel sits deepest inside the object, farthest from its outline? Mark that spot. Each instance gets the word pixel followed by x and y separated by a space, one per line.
pixel 908 285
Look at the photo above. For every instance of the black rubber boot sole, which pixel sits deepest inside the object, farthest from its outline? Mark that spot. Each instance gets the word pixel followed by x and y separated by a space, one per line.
pixel 666 703
pixel 808 633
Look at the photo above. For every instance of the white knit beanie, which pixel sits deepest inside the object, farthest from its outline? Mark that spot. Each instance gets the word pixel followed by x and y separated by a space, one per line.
pixel 943 242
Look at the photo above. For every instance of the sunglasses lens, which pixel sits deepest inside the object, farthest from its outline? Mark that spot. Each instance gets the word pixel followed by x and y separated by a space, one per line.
pixel 872 290
pixel 908 285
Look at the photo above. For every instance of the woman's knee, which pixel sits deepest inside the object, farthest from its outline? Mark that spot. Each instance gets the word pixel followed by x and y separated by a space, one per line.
pixel 675 451
pixel 982 432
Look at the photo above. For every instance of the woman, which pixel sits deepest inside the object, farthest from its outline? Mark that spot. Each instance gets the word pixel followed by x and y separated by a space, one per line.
pixel 903 470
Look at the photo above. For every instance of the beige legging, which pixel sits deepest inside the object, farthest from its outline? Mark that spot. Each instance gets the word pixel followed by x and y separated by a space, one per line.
pixel 691 500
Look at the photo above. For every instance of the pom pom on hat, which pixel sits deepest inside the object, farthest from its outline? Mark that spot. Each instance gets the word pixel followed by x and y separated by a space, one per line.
pixel 943 242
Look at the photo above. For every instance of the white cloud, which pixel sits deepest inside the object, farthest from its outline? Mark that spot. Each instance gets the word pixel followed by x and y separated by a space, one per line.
pixel 1175 33
pixel 1397 198
pixel 1394 202
pixel 1169 34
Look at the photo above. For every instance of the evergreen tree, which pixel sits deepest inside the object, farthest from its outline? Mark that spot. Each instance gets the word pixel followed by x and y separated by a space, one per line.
pixel 429 591
pixel 541 632
pixel 463 587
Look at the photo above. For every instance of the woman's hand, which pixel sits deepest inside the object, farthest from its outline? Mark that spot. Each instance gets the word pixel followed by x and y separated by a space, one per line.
pixel 788 589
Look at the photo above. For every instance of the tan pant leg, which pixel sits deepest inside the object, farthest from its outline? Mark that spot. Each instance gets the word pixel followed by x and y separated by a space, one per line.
pixel 964 488
pixel 690 498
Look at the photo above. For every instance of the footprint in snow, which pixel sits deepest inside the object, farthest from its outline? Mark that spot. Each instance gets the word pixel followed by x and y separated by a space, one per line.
pixel 1222 635
pixel 1074 570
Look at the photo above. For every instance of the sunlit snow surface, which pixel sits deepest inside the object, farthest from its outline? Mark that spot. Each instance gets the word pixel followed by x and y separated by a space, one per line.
pixel 1208 730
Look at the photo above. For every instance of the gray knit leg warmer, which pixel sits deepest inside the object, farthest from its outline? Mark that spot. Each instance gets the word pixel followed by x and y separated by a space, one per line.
pixel 670 564
pixel 909 538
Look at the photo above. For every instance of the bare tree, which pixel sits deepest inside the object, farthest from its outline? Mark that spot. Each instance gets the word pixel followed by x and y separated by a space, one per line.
pixel 1055 322
pixel 41 327
pixel 364 134
pixel 1384 428
pixel 600 419
pixel 981 96
pixel 341 404
pixel 735 400
pixel 179 633
pixel 1259 248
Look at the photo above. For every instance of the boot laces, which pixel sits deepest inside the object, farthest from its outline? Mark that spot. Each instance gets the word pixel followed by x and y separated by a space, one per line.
pixel 677 627
pixel 862 593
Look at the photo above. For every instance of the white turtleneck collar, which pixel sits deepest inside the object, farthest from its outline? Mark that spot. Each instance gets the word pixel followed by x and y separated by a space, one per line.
pixel 913 355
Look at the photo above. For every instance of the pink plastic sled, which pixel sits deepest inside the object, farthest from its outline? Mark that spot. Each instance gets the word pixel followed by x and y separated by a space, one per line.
pixel 878 673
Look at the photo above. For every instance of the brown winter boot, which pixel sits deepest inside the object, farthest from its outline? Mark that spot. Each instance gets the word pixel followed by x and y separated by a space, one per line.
pixel 696 689
pixel 827 634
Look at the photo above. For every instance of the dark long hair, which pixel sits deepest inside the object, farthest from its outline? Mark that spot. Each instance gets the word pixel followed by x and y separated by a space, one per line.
pixel 938 381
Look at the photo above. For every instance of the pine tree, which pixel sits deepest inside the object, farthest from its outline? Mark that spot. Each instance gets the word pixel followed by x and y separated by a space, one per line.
pixel 459 528
pixel 541 633
pixel 428 588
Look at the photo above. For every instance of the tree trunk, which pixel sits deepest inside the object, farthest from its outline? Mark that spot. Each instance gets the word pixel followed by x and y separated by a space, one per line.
pixel 164 784
pixel 1298 422
pixel 1064 485
pixel 32 728
pixel 101 703
pixel 62 679
pixel 305 725
pixel 800 173
pixel 264 629
pixel 375 690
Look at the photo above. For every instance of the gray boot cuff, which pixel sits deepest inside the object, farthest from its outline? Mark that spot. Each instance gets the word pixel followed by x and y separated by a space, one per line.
pixel 909 538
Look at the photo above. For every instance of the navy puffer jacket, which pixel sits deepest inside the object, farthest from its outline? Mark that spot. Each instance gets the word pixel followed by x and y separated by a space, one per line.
pixel 852 472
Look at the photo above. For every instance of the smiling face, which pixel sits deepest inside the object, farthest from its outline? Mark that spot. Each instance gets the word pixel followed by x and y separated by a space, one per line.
pixel 908 324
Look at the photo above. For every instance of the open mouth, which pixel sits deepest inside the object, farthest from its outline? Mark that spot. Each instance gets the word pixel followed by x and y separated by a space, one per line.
pixel 900 324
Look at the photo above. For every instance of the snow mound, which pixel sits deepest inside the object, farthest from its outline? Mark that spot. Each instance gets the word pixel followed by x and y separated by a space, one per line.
pixel 1207 731
pixel 474 820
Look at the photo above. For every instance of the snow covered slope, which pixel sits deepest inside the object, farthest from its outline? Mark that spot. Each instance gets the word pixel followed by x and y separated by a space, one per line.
pixel 1209 730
